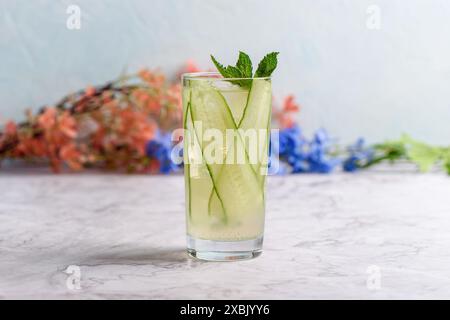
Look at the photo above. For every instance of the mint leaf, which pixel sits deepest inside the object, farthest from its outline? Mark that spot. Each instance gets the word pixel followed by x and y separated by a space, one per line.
pixel 223 71
pixel 234 72
pixel 243 69
pixel 425 156
pixel 229 71
pixel 267 65
pixel 244 64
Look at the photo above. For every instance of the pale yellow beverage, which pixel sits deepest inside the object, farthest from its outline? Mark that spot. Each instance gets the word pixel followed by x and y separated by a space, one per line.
pixel 226 146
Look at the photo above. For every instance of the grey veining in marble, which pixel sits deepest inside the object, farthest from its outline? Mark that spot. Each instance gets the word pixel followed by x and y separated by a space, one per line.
pixel 341 236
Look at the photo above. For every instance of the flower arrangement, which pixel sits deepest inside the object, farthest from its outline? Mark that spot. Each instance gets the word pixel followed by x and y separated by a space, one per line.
pixel 321 155
pixel 107 126
pixel 126 124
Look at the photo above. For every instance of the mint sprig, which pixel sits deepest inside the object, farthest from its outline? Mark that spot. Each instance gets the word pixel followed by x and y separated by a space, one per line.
pixel 267 65
pixel 244 68
pixel 244 64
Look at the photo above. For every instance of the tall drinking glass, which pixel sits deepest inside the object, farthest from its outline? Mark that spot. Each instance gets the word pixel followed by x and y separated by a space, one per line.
pixel 226 145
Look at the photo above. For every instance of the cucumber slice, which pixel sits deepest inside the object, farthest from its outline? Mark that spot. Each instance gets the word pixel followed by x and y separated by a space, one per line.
pixel 257 115
pixel 237 189
pixel 197 176
pixel 254 109
pixel 187 169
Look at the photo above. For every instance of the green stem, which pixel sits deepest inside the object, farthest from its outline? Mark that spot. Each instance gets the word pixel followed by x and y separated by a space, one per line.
pixel 376 161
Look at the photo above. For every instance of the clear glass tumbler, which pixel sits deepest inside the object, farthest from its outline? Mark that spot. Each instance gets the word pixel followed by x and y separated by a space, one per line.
pixel 226 145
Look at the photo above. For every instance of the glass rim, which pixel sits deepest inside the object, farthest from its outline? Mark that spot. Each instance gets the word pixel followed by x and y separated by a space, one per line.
pixel 213 75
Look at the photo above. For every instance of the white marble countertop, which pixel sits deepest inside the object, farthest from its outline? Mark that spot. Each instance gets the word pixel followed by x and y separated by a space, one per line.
pixel 341 236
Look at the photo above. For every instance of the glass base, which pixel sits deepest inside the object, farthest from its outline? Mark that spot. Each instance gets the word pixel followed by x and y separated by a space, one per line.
pixel 211 250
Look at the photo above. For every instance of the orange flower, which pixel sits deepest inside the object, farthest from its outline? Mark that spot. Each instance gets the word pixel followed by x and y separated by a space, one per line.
pixel 135 129
pixel 90 91
pixel 154 79
pixel 191 66
pixel 140 95
pixel 289 105
pixel 285 115
pixel 174 95
pixel 107 96
pixel 10 129
pixel 67 125
pixel 70 154
pixel 153 105
pixel 47 119
pixel 57 141
pixel 29 146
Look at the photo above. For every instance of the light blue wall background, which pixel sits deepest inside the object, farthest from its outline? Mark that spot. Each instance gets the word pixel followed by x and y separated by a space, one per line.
pixel 350 79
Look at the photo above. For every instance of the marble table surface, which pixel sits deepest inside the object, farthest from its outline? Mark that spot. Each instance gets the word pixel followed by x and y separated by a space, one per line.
pixel 370 235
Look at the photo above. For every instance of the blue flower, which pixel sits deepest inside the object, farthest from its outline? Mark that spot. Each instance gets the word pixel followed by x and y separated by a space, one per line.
pixel 318 158
pixel 287 146
pixel 358 156
pixel 290 140
pixel 351 164
pixel 303 155
pixel 160 148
